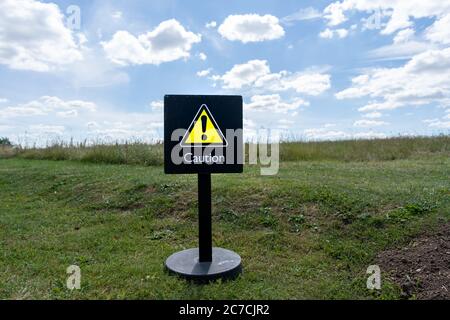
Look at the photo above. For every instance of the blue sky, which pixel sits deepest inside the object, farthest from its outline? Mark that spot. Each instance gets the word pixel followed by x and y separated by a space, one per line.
pixel 309 69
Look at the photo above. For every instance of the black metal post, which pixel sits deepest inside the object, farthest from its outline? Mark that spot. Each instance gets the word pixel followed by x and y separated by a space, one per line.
pixel 204 217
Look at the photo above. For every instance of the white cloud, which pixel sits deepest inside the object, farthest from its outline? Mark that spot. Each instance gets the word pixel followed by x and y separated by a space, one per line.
pixel 125 127
pixel 341 33
pixel 169 41
pixel 324 134
pixel 399 12
pixel 425 79
pixel 47 105
pixel 27 110
pixel 273 103
pixel 373 115
pixel 204 73
pixel 117 15
pixel 257 74
pixel 369 123
pixel 33 36
pixel 202 56
pixel 285 124
pixel 308 13
pixel 443 123
pixel 404 35
pixel 211 24
pixel 308 83
pixel 369 135
pixel 334 13
pixel 439 32
pixel 157 105
pixel 326 34
pixel 44 119
pixel 438 124
pixel 251 28
pixel 401 50
pixel 330 34
pixel 92 125
pixel 47 129
pixel 286 121
pixel 156 125
pixel 3 100
pixel 245 74
pixel 405 43
pixel 4 128
pixel 68 114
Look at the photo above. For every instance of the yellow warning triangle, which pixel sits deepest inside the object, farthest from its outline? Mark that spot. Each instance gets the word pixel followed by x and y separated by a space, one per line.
pixel 204 131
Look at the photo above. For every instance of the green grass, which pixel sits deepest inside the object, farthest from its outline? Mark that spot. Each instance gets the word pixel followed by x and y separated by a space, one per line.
pixel 309 232
pixel 137 153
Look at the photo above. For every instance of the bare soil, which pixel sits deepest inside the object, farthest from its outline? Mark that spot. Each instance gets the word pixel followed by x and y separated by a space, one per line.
pixel 422 268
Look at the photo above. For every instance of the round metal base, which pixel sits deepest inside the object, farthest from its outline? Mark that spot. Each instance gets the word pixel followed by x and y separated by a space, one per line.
pixel 226 265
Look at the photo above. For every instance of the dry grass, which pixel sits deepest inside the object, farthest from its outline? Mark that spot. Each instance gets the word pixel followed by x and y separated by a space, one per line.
pixel 7 152
pixel 137 153
pixel 127 153
pixel 366 150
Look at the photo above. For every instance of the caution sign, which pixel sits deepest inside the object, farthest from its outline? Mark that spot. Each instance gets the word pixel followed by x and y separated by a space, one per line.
pixel 203 134
pixel 204 131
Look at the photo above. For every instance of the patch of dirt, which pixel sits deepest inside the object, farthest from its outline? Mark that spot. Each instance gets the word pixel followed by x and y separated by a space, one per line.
pixel 421 269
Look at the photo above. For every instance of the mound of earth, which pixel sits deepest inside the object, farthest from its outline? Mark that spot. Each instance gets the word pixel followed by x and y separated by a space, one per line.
pixel 421 269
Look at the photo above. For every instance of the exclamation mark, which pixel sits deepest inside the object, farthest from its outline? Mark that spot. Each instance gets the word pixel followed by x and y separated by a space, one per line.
pixel 204 121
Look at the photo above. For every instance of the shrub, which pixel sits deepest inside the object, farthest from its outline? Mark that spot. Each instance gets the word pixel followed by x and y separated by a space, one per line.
pixel 5 142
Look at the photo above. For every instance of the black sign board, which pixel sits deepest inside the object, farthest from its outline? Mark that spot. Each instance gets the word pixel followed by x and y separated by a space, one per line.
pixel 203 134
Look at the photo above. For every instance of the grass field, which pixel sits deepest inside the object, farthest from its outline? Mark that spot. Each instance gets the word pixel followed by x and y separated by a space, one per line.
pixel 309 232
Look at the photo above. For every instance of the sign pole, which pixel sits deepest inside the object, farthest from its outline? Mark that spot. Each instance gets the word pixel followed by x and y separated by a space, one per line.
pixel 204 217
pixel 205 263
